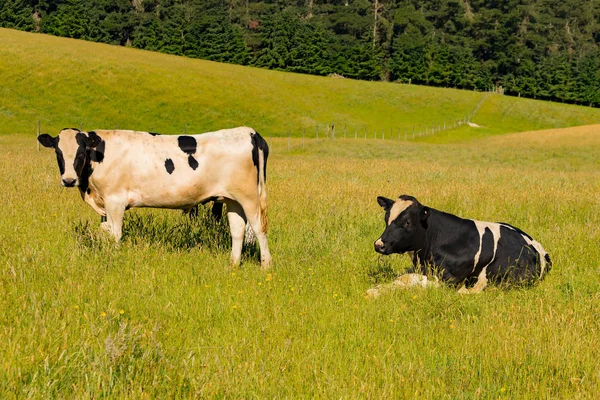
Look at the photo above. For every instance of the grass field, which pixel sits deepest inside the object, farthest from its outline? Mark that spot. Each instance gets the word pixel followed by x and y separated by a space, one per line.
pixel 162 316
pixel 63 82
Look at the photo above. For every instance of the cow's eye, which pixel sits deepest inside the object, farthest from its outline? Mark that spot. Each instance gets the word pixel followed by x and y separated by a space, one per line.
pixel 407 224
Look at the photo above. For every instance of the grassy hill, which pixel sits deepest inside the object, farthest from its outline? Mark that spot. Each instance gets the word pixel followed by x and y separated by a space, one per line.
pixel 65 82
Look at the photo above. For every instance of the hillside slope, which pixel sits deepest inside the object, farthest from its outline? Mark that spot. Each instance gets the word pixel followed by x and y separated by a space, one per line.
pixel 64 82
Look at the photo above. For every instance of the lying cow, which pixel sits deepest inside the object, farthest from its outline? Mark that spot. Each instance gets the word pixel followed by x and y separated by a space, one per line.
pixel 457 250
pixel 116 170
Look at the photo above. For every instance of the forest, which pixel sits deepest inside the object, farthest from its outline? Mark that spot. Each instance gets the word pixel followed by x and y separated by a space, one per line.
pixel 544 49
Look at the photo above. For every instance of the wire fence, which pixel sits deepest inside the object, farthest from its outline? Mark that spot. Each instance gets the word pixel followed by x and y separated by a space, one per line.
pixel 323 132
pixel 331 131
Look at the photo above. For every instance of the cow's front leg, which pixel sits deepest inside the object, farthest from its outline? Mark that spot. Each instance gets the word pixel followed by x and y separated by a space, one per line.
pixel 403 282
pixel 237 224
pixel 114 215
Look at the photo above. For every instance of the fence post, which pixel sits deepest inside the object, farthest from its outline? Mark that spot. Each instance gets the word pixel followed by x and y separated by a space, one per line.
pixel 317 133
pixel 289 139
pixel 303 137
pixel 332 131
pixel 344 131
pixel 38 135
pixel 355 131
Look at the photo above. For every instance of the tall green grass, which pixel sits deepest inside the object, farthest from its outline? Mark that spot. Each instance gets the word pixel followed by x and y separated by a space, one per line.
pixel 70 83
pixel 162 315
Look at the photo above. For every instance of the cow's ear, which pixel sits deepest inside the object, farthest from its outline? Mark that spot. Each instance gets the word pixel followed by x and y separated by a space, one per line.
pixel 93 140
pixel 424 214
pixel 385 203
pixel 46 140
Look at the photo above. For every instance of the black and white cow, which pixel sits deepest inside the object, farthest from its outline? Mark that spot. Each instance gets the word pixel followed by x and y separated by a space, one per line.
pixel 116 170
pixel 460 251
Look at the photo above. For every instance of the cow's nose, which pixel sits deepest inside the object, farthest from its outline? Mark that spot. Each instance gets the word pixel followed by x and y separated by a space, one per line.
pixel 379 246
pixel 69 182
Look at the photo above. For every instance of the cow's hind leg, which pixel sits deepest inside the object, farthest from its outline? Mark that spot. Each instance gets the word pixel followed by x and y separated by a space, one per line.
pixel 237 224
pixel 479 285
pixel 253 216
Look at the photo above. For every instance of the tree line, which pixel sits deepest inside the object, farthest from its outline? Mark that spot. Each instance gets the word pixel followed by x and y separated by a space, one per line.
pixel 545 49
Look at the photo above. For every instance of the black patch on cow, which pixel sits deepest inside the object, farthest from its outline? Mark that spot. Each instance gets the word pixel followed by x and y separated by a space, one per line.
pixel 59 157
pixel 154 133
pixel 193 163
pixel 187 144
pixel 81 156
pixel 84 177
pixel 103 218
pixel 517 229
pixel 97 147
pixel 88 191
pixel 258 143
pixel 169 166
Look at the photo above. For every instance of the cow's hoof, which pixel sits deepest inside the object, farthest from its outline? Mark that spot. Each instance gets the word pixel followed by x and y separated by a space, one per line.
pixel 266 266
pixel 105 226
pixel 373 293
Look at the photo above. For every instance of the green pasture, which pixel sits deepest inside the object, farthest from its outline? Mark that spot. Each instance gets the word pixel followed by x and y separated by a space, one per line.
pixel 163 316
pixel 71 83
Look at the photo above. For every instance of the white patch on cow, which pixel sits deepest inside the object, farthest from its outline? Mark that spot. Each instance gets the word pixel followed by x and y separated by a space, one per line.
pixel 397 209
pixel 68 146
pixel 495 228
pixel 379 242
pixel 479 285
pixel 537 246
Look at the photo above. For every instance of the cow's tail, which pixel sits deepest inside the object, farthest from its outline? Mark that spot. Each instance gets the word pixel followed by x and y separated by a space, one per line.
pixel 260 154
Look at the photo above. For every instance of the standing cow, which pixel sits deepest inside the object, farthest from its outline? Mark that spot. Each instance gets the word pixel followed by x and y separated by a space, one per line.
pixel 461 251
pixel 115 170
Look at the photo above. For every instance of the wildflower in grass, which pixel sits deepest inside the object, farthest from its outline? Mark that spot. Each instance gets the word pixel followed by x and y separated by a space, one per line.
pixel 235 306
pixel 259 283
pixel 414 297
pixel 121 311
pixel 269 278
pixel 292 289
pixel 103 314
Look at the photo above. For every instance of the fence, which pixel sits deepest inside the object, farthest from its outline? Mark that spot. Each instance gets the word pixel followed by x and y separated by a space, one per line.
pixel 328 131
pixel 324 132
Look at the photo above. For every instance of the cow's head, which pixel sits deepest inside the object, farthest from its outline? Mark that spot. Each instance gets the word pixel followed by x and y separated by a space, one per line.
pixel 406 222
pixel 73 149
